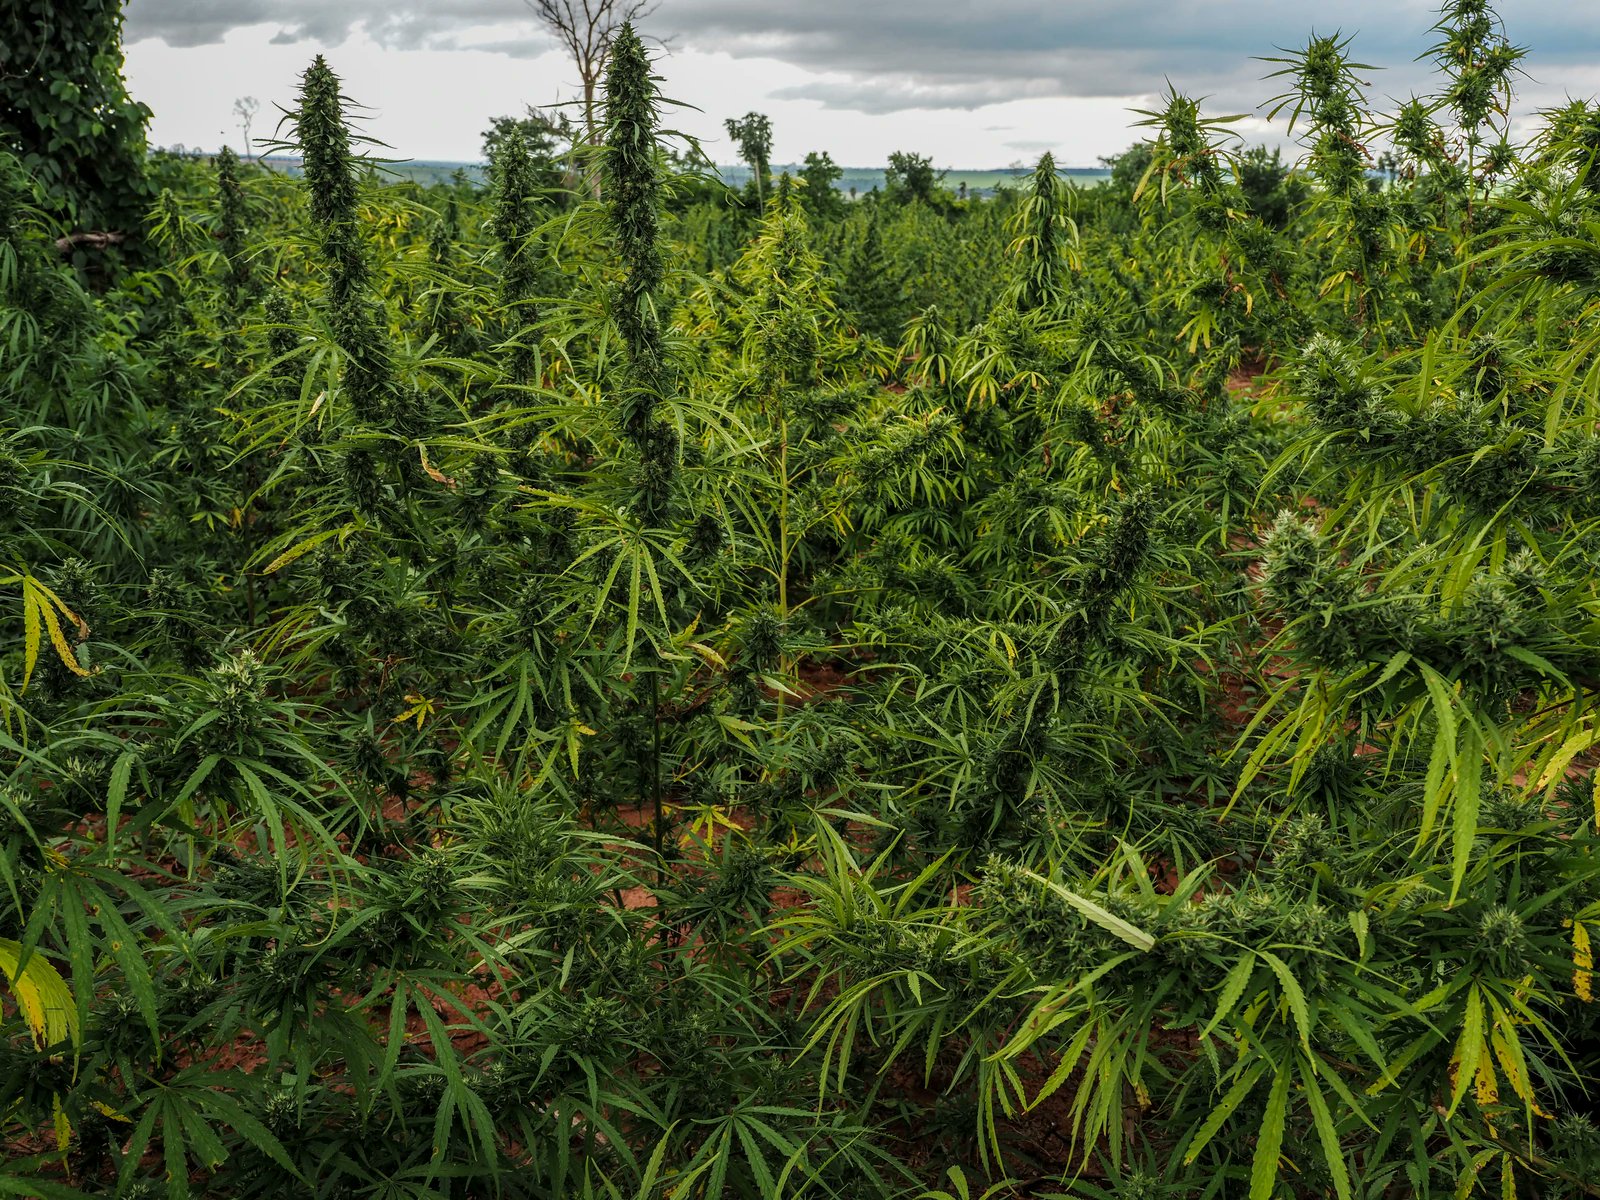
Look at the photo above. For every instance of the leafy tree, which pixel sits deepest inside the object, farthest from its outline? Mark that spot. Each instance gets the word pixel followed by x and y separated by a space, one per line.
pixel 752 134
pixel 544 142
pixel 1269 187
pixel 65 111
pixel 910 177
pixel 1129 167
pixel 821 196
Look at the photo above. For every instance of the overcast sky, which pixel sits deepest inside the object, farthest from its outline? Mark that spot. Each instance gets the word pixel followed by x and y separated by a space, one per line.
pixel 974 83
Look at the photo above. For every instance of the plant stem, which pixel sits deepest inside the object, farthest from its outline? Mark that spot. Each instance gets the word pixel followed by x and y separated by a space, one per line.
pixel 655 766
pixel 783 541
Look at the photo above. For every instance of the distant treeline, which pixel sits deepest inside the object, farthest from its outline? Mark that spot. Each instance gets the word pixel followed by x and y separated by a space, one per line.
pixel 852 180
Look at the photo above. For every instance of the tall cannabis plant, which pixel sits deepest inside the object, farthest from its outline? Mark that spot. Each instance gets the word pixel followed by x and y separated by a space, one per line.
pixel 632 172
pixel 355 322
pixel 1045 240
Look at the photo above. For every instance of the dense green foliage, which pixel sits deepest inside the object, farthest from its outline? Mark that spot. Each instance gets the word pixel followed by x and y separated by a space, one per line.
pixel 1084 693
pixel 65 111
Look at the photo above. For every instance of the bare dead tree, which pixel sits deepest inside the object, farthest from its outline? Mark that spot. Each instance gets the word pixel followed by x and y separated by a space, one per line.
pixel 586 29
pixel 245 108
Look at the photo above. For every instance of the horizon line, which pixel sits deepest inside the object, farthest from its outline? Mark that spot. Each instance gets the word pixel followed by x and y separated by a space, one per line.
pixel 737 166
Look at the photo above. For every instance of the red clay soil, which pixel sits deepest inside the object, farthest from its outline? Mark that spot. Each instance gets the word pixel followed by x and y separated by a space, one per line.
pixel 1244 376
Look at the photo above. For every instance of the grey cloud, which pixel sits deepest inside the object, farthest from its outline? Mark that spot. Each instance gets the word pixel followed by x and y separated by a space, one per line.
pixel 180 24
pixel 892 94
pixel 881 56
pixel 400 24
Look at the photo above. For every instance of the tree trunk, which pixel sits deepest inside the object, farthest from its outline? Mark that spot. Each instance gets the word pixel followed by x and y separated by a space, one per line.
pixel 591 133
pixel 97 240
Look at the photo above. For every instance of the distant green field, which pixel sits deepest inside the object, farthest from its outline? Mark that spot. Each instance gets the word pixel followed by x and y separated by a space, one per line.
pixel 861 179
pixel 864 179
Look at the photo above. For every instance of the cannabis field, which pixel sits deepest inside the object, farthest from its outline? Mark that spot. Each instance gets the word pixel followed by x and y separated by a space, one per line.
pixel 602 686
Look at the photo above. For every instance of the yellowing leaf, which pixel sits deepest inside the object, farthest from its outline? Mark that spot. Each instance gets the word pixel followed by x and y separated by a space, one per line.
pixel 434 473
pixel 1570 749
pixel 39 614
pixel 1469 1051
pixel 575 731
pixel 62 1124
pixel 30 643
pixel 298 550
pixel 707 653
pixel 1508 1052
pixel 1487 1087
pixel 1582 963
pixel 421 709
pixel 46 1001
